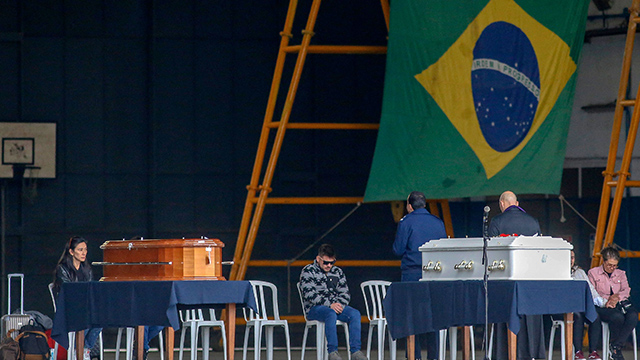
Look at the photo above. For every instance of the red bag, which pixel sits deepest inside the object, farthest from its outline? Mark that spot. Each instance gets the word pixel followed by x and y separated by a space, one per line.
pixel 62 352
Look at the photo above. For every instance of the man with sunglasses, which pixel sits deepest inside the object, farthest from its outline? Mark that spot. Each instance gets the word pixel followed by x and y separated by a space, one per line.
pixel 326 297
pixel 414 230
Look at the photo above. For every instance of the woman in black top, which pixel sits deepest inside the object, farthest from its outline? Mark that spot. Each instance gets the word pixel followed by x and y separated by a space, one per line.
pixel 72 267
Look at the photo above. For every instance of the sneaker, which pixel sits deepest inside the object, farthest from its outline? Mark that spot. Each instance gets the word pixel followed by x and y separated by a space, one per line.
pixel 594 356
pixel 86 355
pixel 579 355
pixel 95 351
pixel 334 355
pixel 615 353
pixel 358 355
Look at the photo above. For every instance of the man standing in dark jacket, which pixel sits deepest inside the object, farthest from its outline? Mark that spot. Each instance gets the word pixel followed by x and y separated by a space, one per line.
pixel 515 221
pixel 415 229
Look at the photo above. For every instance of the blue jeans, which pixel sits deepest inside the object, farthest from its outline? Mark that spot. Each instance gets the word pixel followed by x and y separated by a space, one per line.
pixel 149 333
pixel 349 315
pixel 91 337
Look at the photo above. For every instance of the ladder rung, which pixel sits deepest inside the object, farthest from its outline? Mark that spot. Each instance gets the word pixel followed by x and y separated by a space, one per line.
pixel 628 183
pixel 627 102
pixel 329 126
pixel 629 254
pixel 310 200
pixel 338 49
pixel 343 263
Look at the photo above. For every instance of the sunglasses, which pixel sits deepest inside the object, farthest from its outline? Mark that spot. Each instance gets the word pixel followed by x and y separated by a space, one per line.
pixel 325 262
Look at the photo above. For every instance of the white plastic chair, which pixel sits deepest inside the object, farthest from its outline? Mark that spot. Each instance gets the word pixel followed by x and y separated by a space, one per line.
pixel 266 295
pixel 71 354
pixel 453 343
pixel 557 324
pixel 374 292
pixel 129 336
pixel 605 342
pixel 321 343
pixel 194 321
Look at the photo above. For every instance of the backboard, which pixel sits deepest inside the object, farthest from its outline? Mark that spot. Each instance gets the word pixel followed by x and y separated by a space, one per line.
pixel 32 145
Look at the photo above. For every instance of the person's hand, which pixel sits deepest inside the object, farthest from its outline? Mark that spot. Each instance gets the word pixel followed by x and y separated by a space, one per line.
pixel 337 307
pixel 613 301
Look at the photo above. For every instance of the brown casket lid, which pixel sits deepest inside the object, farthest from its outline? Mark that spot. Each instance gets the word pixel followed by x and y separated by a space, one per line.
pixel 160 243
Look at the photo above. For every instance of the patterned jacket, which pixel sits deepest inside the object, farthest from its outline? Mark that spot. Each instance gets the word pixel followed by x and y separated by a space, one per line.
pixel 320 288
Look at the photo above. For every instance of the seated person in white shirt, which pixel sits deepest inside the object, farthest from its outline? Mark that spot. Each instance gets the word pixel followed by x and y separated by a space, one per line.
pixel 595 328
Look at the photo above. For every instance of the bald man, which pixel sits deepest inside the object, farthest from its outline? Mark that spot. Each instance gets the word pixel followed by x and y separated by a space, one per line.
pixel 515 221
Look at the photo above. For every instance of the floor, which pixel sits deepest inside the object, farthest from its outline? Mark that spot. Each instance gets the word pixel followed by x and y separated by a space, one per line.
pixel 281 354
pixel 310 354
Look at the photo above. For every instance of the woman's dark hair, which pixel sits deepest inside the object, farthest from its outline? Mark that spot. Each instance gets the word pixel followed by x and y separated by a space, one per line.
pixel 66 258
pixel 610 253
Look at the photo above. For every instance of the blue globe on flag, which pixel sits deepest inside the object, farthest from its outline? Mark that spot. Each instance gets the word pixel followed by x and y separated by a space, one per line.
pixel 505 82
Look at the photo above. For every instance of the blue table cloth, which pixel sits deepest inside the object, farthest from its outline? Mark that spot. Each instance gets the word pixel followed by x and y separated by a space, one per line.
pixel 417 307
pixel 83 305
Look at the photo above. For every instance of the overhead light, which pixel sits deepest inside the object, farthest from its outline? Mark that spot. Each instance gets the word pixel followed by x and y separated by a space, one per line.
pixel 603 5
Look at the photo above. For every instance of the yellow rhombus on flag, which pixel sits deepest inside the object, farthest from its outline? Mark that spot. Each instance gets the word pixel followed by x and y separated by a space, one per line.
pixel 449 80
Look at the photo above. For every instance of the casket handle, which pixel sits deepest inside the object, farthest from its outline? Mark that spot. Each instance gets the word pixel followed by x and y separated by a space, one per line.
pixel 463 265
pixel 432 267
pixel 497 265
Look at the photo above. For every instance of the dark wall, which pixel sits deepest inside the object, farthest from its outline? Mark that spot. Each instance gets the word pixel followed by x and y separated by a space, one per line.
pixel 159 106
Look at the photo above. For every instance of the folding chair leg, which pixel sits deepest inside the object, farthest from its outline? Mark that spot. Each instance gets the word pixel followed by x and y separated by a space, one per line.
pixel 453 342
pixel 194 342
pixel 269 340
pixel 369 337
pixel 130 338
pixel 304 341
pixel 286 337
pixel 224 342
pixel 442 346
pixel 182 335
pixel 392 345
pixel 346 335
pixel 205 342
pixel 257 341
pixel 161 344
pixel 380 343
pixel 118 342
pixel 247 331
pixel 321 347
pixel 71 354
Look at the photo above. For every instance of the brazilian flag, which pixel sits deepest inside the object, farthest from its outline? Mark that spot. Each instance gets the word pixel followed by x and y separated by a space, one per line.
pixel 477 97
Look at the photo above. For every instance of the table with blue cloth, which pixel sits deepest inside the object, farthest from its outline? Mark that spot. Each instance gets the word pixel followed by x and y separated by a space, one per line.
pixel 83 305
pixel 418 307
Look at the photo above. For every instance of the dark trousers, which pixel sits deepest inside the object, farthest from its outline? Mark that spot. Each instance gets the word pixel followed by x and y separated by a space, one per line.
pixel 431 338
pixel 595 332
pixel 530 339
pixel 620 325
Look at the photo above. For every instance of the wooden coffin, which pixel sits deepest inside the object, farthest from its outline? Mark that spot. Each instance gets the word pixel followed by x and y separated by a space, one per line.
pixel 162 259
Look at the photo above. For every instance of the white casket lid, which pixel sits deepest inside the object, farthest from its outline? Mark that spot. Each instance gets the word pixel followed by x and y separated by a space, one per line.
pixel 500 242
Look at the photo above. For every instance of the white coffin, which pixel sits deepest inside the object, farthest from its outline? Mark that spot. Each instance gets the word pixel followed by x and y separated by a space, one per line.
pixel 510 258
